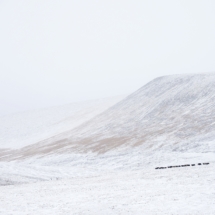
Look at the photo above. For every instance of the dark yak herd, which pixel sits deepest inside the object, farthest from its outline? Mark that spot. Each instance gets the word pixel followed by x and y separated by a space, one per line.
pixel 185 165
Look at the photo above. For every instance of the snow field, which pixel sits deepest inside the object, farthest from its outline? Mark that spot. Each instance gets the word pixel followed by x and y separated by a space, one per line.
pixel 179 191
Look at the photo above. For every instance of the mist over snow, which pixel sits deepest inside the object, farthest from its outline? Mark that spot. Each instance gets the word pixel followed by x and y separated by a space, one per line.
pixel 25 128
pixel 60 52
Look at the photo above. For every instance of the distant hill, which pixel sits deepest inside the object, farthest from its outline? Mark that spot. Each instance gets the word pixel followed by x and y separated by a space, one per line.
pixel 171 113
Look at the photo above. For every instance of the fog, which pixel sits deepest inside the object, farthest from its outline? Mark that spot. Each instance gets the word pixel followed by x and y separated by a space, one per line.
pixel 59 52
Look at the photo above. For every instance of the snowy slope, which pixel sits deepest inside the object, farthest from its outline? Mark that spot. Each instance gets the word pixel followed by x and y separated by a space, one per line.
pixel 173 113
pixel 29 127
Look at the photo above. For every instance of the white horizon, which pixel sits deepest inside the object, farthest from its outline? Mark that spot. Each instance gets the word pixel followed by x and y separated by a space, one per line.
pixel 54 53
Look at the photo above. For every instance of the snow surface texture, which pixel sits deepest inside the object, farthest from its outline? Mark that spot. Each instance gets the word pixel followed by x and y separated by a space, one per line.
pixel 108 184
pixel 106 164
pixel 149 192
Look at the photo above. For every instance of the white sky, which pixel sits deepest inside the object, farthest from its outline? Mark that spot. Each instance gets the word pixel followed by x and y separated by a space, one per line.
pixel 57 52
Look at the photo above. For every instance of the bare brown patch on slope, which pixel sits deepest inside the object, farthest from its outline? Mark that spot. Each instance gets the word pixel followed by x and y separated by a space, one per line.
pixel 65 146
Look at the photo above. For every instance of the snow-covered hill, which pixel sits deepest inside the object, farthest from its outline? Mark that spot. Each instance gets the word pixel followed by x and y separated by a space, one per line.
pixel 169 120
pixel 172 113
